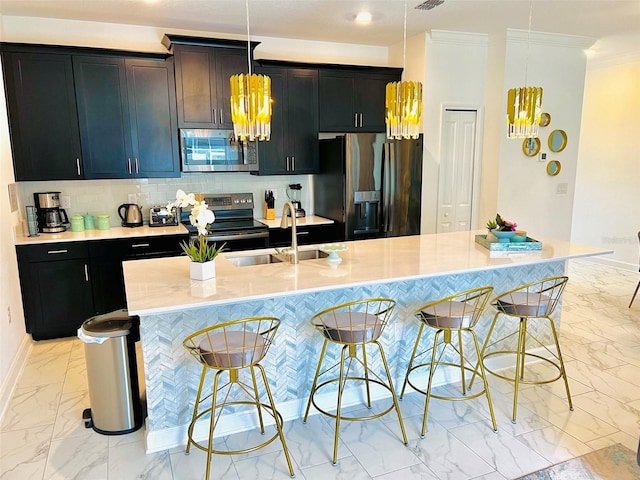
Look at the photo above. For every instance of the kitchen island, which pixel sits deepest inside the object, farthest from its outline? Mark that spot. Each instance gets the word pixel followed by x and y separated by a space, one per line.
pixel 410 270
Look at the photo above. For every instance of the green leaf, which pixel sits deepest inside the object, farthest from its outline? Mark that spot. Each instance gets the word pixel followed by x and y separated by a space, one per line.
pixel 200 250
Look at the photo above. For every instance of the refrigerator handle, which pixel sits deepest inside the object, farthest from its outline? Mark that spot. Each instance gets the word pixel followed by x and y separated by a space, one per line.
pixel 386 188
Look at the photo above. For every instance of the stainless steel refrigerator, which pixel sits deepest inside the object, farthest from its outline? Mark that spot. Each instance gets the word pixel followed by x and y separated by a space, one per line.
pixel 370 184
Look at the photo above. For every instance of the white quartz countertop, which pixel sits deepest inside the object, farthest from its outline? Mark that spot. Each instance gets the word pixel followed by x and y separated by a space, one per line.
pixel 112 233
pixel 162 285
pixel 300 222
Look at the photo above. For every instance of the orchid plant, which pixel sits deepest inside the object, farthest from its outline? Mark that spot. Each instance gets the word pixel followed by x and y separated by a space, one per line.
pixel 199 250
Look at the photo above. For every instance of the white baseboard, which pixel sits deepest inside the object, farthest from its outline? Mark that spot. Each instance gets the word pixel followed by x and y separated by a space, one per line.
pixel 15 369
pixel 612 263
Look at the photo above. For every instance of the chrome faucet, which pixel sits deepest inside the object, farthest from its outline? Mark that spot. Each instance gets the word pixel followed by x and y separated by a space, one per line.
pixel 293 255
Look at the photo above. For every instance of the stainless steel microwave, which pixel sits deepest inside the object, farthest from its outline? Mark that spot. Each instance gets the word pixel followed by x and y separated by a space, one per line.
pixel 208 150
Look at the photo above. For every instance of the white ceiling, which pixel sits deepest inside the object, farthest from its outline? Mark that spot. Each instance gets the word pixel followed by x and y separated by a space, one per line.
pixel 332 20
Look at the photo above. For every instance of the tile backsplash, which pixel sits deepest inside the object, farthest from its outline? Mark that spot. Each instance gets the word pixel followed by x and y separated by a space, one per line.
pixel 105 196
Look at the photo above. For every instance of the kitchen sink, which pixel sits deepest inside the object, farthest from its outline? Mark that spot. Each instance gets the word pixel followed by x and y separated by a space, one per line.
pixel 265 258
pixel 311 254
pixel 246 260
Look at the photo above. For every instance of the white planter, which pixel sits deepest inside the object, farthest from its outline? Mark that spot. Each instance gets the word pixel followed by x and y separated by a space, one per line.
pixel 202 271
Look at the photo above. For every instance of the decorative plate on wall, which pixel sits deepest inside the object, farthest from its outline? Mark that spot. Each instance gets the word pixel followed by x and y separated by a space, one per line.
pixel 531 146
pixel 545 119
pixel 557 140
pixel 553 168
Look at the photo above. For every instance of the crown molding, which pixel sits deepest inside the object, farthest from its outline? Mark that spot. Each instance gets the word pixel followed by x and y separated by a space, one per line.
pixel 459 38
pixel 550 39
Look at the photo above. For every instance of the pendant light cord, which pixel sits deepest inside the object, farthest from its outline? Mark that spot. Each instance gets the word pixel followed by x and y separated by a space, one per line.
pixel 249 38
pixel 404 48
pixel 526 65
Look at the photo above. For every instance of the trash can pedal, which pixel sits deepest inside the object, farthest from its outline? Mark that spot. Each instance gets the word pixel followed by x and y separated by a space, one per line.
pixel 86 417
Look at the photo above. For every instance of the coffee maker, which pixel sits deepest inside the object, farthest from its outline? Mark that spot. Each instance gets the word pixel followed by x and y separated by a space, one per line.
pixel 294 192
pixel 51 218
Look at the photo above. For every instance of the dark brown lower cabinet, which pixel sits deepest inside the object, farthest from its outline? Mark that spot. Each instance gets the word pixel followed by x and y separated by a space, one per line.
pixel 307 235
pixel 63 284
pixel 56 288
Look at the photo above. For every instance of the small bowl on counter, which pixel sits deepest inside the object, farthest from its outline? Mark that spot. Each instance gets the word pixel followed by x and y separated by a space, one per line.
pixel 333 249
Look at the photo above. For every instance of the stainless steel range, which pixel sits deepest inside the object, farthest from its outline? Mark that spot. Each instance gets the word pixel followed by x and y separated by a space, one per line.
pixel 234 223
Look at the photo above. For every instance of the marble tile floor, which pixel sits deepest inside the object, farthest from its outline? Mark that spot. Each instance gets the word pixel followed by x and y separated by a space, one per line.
pixel 42 435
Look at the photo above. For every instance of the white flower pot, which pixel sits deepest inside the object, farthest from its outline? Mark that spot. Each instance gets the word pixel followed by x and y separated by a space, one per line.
pixel 202 271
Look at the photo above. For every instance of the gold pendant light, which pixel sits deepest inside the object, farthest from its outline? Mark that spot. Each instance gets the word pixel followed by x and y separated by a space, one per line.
pixel 524 105
pixel 251 101
pixel 403 101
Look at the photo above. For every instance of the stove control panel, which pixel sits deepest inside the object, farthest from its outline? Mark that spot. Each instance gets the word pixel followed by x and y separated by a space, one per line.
pixel 229 201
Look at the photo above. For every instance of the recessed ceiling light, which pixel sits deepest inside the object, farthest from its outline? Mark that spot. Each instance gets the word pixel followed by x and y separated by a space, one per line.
pixel 363 18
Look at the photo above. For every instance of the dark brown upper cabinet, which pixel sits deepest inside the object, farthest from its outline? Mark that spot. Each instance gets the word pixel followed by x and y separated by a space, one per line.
pixel 203 69
pixel 42 116
pixel 353 100
pixel 79 113
pixel 293 148
pixel 127 116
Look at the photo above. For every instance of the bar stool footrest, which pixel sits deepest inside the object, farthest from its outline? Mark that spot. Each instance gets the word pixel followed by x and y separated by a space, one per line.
pixel 277 417
pixel 355 419
pixel 441 397
pixel 527 355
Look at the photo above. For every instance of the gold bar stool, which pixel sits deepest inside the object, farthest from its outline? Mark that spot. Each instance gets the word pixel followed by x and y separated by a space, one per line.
pixel 353 324
pixel 230 347
pixel 533 300
pixel 455 314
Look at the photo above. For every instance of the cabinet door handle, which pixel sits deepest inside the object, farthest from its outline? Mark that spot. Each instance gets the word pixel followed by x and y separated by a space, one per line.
pixel 136 166
pixel 139 245
pixel 129 163
pixel 86 273
pixel 78 165
pixel 53 252
pixel 287 164
pixel 361 120
pixel 215 116
pixel 302 233
pixel 293 164
pixel 221 117
pixel 355 120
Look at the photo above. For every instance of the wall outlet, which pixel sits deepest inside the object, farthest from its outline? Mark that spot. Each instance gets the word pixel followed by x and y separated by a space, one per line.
pixel 562 188
pixel 65 201
pixel 132 198
pixel 542 157
pixel 9 315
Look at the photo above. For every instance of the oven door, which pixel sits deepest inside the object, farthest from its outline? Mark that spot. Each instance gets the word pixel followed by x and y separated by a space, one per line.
pixel 237 241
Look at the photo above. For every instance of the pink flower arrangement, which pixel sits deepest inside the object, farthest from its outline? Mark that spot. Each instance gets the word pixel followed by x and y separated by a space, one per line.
pixel 501 224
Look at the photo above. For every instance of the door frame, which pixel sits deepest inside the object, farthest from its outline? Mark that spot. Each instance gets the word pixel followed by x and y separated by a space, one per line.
pixel 477 156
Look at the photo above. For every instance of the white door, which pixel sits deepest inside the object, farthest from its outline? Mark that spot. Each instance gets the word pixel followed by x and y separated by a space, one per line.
pixel 456 177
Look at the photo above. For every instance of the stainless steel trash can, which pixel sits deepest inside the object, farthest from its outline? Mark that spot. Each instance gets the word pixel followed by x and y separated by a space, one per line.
pixel 110 355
